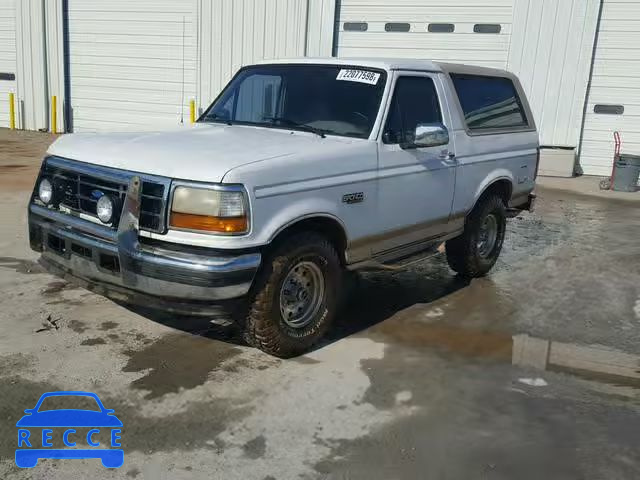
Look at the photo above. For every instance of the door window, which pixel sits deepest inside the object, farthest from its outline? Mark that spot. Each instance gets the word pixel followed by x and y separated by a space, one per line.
pixel 414 101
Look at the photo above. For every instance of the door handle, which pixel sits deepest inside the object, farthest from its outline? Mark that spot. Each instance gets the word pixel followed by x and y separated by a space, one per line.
pixel 448 156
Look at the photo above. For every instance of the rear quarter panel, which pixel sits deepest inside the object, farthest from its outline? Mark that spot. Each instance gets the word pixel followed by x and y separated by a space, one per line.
pixel 484 159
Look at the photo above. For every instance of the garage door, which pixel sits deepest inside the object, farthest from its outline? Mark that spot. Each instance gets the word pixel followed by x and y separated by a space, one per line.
pixel 7 57
pixel 132 64
pixel 465 31
pixel 614 98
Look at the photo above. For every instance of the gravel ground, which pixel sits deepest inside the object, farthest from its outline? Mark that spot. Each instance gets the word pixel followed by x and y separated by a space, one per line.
pixel 532 372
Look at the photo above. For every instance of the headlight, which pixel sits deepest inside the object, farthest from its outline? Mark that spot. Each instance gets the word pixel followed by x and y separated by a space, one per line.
pixel 45 191
pixel 105 208
pixel 200 208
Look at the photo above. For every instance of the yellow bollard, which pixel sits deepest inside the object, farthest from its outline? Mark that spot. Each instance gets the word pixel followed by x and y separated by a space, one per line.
pixel 54 114
pixel 12 112
pixel 192 111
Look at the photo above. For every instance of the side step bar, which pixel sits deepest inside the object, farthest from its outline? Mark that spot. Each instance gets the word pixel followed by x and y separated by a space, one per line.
pixel 401 262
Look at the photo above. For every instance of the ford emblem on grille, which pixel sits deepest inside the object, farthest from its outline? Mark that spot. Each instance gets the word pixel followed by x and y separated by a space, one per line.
pixel 96 194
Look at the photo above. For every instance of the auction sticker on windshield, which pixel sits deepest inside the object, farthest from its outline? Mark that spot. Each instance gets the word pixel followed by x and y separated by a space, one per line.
pixel 362 76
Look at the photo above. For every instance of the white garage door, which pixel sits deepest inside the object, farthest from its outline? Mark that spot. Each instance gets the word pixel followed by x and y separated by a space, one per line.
pixel 7 57
pixel 614 99
pixel 132 63
pixel 463 31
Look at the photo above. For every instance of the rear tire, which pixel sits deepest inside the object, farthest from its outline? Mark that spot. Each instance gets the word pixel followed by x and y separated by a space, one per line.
pixel 475 252
pixel 295 296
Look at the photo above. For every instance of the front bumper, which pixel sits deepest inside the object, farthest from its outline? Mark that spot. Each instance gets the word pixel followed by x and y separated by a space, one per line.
pixel 110 258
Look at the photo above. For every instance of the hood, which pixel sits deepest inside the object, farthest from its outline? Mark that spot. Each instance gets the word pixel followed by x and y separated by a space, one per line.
pixel 203 152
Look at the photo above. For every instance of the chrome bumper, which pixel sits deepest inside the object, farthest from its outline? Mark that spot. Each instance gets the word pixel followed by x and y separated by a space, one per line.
pixel 102 255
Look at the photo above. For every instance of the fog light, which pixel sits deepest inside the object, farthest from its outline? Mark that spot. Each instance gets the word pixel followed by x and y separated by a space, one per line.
pixel 45 191
pixel 104 209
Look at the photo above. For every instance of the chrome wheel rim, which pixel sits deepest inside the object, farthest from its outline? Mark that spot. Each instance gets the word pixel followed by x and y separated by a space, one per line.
pixel 487 236
pixel 301 294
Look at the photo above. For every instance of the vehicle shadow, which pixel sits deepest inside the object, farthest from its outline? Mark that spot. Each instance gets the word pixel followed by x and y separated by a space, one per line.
pixel 376 297
pixel 370 298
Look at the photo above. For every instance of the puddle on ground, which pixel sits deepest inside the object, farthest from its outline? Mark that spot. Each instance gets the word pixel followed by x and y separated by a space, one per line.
pixel 78 326
pixel 596 363
pixel 21 265
pixel 93 341
pixel 108 325
pixel 194 428
pixel 255 448
pixel 468 343
pixel 177 361
pixel 57 287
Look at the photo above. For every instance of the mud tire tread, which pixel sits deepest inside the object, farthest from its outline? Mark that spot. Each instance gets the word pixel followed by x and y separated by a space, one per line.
pixel 461 251
pixel 260 328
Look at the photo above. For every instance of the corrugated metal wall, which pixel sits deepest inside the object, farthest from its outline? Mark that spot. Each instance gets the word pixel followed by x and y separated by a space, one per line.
pixel 55 58
pixel 320 24
pixel 136 65
pixel 615 82
pixel 238 32
pixel 462 45
pixel 550 51
pixel 7 56
pixel 31 77
pixel 132 64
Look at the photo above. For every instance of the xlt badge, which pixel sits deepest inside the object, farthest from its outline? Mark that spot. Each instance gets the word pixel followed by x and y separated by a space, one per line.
pixel 350 198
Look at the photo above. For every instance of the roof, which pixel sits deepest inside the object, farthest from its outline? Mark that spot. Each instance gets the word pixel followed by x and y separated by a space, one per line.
pixel 392 64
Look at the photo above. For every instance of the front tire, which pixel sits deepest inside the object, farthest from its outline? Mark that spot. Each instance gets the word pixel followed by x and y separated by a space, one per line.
pixel 475 252
pixel 295 297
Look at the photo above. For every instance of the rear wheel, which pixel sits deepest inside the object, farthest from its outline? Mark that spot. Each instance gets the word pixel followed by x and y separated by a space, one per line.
pixel 295 296
pixel 475 252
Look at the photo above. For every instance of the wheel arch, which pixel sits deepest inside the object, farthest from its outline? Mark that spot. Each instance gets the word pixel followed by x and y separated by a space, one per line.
pixel 323 223
pixel 500 185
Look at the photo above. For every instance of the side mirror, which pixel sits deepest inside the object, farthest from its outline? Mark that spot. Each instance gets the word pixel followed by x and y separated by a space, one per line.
pixel 429 135
pixel 29 410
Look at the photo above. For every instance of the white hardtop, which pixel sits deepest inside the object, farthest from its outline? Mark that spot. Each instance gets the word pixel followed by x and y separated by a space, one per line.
pixel 389 64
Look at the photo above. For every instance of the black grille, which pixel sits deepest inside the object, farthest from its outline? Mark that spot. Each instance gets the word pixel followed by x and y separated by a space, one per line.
pixel 79 192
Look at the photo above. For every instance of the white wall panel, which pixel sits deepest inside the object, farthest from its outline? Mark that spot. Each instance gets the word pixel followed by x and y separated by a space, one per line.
pixel 615 80
pixel 55 59
pixel 461 46
pixel 550 51
pixel 235 33
pixel 132 64
pixel 31 76
pixel 320 25
pixel 7 56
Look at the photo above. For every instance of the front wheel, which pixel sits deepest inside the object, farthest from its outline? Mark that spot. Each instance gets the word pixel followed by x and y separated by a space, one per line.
pixel 295 297
pixel 475 252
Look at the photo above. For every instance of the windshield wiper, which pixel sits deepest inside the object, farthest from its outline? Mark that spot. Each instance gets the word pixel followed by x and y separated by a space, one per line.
pixel 217 119
pixel 299 126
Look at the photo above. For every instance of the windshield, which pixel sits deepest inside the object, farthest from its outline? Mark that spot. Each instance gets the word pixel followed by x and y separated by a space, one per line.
pixel 323 99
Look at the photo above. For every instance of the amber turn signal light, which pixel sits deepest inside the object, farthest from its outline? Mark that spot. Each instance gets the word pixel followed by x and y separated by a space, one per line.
pixel 209 224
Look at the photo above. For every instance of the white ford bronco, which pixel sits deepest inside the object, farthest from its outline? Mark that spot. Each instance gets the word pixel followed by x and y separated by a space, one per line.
pixel 298 172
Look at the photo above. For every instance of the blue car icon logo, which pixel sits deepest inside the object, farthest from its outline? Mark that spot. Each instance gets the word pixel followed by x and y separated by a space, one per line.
pixel 40 430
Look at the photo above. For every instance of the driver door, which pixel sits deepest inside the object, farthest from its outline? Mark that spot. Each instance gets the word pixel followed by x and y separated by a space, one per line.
pixel 416 185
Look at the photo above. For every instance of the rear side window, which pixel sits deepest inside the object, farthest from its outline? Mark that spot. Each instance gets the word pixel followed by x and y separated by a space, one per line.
pixel 489 102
